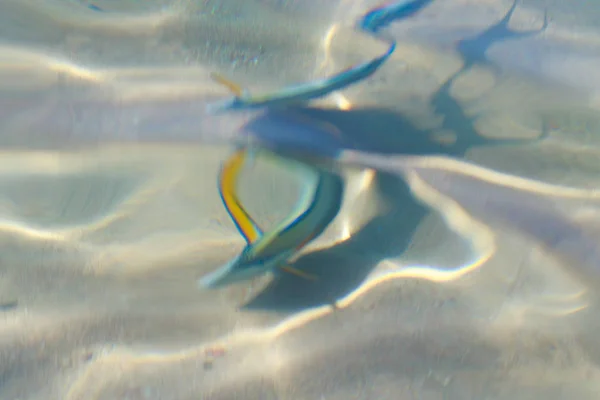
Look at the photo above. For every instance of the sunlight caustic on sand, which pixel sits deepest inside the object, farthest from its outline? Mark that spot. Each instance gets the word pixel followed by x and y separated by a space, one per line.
pixel 476 171
pixel 355 188
pixel 482 245
pixel 340 100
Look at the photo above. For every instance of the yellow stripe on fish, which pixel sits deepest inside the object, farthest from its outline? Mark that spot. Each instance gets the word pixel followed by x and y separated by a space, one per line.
pixel 227 189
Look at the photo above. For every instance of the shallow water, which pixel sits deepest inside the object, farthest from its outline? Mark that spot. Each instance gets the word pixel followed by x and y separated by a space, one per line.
pixel 464 263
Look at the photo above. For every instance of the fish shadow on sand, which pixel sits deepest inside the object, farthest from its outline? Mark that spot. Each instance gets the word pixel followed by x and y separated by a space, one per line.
pixel 343 267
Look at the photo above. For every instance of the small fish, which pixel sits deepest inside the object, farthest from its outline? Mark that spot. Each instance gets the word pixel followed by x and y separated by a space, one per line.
pixel 297 94
pixel 266 252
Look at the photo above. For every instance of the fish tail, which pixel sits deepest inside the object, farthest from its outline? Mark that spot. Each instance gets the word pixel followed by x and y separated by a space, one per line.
pixel 233 87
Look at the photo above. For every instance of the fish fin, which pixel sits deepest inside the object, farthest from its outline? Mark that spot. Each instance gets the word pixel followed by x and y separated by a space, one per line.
pixel 247 227
pixel 233 87
pixel 301 274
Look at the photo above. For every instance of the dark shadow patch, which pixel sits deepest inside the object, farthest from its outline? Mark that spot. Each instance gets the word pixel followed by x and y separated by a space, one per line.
pixel 9 305
pixel 343 267
pixel 473 50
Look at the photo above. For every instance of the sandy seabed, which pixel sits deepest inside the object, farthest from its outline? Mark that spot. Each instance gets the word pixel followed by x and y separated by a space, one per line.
pixel 461 267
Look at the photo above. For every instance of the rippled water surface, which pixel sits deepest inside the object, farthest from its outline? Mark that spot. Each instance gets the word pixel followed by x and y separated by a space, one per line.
pixel 465 260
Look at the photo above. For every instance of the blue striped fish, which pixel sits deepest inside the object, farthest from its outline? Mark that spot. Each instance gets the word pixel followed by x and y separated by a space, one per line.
pixel 295 94
pixel 371 22
pixel 269 252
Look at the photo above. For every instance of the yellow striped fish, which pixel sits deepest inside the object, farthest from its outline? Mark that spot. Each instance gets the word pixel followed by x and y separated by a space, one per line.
pixel 270 251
